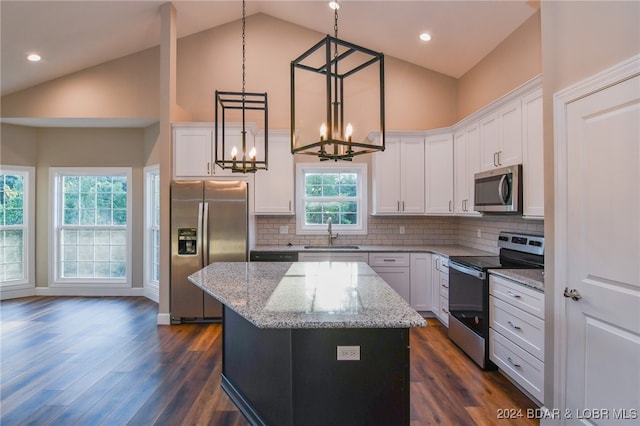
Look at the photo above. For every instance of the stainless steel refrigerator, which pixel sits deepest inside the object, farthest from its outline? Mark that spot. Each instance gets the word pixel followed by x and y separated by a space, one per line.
pixel 209 223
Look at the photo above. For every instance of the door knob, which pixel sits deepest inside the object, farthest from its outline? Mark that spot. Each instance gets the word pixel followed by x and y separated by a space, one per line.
pixel 573 293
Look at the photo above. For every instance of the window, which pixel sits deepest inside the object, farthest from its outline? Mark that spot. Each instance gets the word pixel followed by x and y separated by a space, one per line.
pixel 16 219
pixel 338 192
pixel 152 232
pixel 91 225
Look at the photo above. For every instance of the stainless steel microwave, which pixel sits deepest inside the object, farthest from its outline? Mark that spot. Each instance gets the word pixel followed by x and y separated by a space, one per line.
pixel 499 190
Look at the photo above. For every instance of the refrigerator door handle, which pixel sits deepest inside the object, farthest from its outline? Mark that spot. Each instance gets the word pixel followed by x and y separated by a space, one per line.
pixel 205 235
pixel 200 236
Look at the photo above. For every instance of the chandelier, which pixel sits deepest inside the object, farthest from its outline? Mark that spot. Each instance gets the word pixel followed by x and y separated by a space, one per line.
pixel 227 133
pixel 321 80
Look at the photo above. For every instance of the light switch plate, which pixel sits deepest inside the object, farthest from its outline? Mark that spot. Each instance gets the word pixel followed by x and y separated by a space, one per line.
pixel 348 353
pixel 284 229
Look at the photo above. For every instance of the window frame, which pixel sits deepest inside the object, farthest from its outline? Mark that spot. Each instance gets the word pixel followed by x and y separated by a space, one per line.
pixel 360 169
pixel 28 248
pixel 151 208
pixel 55 179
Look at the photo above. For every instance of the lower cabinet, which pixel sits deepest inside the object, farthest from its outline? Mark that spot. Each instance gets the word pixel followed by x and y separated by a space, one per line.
pixel 516 334
pixel 440 288
pixel 420 277
pixel 394 268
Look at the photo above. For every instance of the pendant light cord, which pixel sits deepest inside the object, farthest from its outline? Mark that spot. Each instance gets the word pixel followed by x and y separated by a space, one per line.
pixel 243 49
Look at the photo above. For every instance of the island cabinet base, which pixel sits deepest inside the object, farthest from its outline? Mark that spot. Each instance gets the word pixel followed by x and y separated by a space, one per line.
pixel 292 376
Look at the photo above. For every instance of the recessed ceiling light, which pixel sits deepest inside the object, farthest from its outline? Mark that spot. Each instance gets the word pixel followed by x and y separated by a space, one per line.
pixel 334 5
pixel 425 37
pixel 34 57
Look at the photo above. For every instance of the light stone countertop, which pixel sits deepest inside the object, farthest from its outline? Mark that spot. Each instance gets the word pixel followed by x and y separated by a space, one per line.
pixel 533 278
pixel 307 295
pixel 445 250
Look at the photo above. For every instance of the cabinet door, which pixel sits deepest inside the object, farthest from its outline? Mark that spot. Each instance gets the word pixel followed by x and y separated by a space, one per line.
pixel 420 275
pixel 532 156
pixel 398 278
pixel 192 155
pixel 489 142
pixel 439 174
pixel 510 152
pixel 274 187
pixel 461 182
pixel 412 176
pixel 386 178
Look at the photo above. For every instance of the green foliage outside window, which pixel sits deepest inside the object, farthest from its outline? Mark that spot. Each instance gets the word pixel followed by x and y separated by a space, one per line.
pixel 331 195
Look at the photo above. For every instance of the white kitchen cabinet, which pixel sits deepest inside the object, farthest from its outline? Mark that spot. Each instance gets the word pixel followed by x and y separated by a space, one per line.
pixel 420 276
pixel 394 268
pixel 440 288
pixel 501 137
pixel 274 188
pixel 194 149
pixel 439 173
pixel 466 163
pixel 532 156
pixel 516 334
pixel 398 177
pixel 333 256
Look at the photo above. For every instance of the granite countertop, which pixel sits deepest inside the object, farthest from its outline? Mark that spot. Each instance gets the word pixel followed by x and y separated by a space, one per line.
pixel 445 250
pixel 533 278
pixel 307 295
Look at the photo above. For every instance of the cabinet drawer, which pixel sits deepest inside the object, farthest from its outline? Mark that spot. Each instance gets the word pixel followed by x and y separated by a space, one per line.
pixel 443 314
pixel 332 256
pixel 444 286
pixel 522 367
pixel 525 298
pixel 522 328
pixel 389 259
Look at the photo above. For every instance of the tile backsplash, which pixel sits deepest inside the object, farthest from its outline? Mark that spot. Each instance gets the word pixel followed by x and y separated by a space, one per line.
pixel 480 233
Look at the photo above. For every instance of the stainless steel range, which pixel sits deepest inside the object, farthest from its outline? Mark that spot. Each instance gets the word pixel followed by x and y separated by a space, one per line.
pixel 469 290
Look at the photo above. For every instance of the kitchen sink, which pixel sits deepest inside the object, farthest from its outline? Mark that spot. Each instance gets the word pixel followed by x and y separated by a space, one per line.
pixel 333 247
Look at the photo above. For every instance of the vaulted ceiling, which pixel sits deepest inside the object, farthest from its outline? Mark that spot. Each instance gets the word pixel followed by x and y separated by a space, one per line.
pixel 73 35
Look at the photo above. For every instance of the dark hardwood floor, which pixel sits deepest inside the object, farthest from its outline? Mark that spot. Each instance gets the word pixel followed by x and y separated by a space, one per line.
pixel 104 361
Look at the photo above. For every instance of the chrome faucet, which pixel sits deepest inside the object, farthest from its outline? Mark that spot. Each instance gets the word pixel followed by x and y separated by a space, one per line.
pixel 331 236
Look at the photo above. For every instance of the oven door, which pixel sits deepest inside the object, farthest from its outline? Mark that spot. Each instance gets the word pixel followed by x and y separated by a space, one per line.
pixel 468 297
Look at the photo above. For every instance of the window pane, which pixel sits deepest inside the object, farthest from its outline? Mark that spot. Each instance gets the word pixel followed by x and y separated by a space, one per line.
pixel 97 204
pixel 12 213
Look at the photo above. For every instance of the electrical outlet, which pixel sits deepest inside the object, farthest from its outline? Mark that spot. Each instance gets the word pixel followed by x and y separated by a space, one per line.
pixel 402 230
pixel 284 229
pixel 479 233
pixel 348 353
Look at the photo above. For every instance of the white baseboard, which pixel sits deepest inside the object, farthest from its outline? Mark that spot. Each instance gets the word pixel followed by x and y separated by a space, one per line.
pixel 9 293
pixel 88 292
pixel 164 319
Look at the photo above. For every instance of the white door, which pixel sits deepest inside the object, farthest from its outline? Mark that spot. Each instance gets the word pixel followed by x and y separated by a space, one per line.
pixel 598 257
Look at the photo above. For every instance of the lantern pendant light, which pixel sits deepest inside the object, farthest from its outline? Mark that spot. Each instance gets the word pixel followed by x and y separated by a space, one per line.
pixel 321 80
pixel 226 133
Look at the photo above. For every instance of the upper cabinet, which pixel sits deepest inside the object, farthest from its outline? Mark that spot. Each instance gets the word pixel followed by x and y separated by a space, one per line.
pixel 501 137
pixel 274 188
pixel 466 163
pixel 439 173
pixel 532 159
pixel 398 177
pixel 194 149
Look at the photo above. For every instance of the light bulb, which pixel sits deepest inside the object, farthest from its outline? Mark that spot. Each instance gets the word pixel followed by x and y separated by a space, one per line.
pixel 348 131
pixel 252 153
pixel 234 153
pixel 323 131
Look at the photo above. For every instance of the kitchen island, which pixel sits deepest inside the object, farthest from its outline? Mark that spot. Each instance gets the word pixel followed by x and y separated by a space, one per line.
pixel 286 324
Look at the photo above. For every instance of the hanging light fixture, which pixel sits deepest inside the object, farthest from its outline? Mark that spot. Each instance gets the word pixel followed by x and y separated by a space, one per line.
pixel 318 89
pixel 226 133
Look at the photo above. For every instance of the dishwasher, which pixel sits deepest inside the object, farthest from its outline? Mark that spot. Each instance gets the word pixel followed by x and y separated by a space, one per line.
pixel 273 256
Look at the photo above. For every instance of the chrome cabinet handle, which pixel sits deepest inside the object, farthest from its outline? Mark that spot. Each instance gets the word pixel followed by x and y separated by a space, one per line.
pixel 513 325
pixel 388 260
pixel 449 205
pixel 398 207
pixel 574 294
pixel 495 162
pixel 512 294
pixel 499 162
pixel 515 364
pixel 403 206
pixel 289 205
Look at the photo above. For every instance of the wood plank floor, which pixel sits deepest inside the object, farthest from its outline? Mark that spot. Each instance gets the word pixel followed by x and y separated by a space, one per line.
pixel 104 361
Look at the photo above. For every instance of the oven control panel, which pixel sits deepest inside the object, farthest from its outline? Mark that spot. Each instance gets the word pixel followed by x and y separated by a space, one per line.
pixel 528 243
